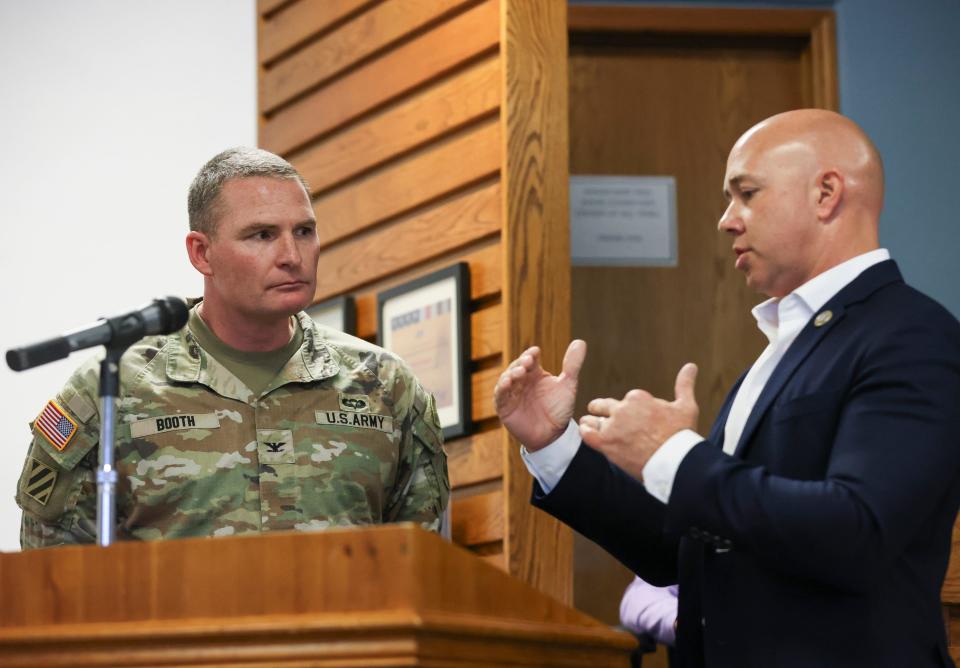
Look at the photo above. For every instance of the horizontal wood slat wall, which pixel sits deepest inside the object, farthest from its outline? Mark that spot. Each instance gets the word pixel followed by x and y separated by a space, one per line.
pixel 379 81
pixel 392 110
pixel 354 41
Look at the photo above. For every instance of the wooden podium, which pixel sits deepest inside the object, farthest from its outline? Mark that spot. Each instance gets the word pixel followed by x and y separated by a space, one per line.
pixel 383 596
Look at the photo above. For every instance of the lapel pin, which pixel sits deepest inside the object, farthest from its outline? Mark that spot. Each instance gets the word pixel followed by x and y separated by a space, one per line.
pixel 822 318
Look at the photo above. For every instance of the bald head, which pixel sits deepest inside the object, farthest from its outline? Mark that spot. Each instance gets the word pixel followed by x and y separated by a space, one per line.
pixel 831 142
pixel 805 190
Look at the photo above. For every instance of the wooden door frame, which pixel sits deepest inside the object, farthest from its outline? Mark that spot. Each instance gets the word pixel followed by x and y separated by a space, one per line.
pixel 818 27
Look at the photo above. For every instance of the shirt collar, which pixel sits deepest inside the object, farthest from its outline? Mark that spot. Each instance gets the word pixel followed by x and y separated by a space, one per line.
pixel 817 291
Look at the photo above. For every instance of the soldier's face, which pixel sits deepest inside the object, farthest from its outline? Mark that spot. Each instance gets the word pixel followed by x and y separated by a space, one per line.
pixel 264 252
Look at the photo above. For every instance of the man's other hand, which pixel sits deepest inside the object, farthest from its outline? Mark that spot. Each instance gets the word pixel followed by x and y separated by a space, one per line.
pixel 628 432
pixel 534 405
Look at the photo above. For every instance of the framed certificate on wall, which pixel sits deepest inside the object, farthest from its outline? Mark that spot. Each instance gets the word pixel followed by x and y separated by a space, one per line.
pixel 427 323
pixel 339 313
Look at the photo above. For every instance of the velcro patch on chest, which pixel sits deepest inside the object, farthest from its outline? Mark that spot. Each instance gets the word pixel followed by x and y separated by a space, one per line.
pixel 382 423
pixel 354 402
pixel 161 423
pixel 275 446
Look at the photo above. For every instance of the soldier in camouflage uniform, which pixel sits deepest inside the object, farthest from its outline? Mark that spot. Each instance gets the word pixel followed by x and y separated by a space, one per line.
pixel 221 431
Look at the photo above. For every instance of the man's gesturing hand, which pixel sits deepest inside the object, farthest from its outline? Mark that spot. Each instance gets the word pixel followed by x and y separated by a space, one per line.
pixel 534 405
pixel 628 432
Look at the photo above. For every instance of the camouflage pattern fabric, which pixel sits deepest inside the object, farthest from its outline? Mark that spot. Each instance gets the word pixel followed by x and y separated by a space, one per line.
pixel 344 435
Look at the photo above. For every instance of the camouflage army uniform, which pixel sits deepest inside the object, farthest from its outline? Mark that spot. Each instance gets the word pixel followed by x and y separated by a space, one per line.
pixel 343 435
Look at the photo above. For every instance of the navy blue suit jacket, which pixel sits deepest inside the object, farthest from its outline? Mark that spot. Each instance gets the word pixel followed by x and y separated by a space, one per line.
pixel 823 541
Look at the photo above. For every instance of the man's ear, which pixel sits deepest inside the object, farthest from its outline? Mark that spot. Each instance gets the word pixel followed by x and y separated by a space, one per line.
pixel 198 250
pixel 830 189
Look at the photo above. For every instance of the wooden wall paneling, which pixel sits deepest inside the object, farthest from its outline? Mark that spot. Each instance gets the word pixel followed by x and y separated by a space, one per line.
pixel 409 183
pixel 822 54
pixel 415 63
pixel 536 252
pixel 495 558
pixel 475 459
pixel 482 395
pixel 950 593
pixel 696 20
pixel 265 7
pixel 818 26
pixel 485 277
pixel 486 332
pixel 464 218
pixel 477 519
pixel 297 23
pixel 951 615
pixel 453 103
pixel 355 41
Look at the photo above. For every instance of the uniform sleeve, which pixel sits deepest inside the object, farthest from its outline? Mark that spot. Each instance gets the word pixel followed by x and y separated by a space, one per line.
pixel 423 486
pixel 57 487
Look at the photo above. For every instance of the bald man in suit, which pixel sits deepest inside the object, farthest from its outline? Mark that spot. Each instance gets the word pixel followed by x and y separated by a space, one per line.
pixel 812 525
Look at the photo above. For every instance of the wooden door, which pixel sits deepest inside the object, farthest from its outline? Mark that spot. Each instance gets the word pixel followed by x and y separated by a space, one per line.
pixel 667 92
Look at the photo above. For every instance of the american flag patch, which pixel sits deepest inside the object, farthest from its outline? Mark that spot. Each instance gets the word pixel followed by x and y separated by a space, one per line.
pixel 56 425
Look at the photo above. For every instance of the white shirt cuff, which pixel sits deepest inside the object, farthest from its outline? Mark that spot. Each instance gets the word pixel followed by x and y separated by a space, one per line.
pixel 548 464
pixel 661 468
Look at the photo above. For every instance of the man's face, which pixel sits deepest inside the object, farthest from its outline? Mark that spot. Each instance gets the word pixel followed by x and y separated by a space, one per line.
pixel 263 253
pixel 771 217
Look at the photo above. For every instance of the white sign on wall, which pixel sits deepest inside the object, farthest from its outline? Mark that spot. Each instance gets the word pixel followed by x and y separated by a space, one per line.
pixel 623 221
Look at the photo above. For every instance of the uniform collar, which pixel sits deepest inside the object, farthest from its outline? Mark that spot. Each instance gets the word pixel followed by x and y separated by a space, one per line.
pixel 187 362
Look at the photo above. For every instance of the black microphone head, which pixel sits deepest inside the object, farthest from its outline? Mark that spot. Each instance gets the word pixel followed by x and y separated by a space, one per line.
pixel 175 313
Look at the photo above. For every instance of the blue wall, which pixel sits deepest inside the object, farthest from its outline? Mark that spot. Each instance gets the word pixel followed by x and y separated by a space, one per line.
pixel 899 66
pixel 899 69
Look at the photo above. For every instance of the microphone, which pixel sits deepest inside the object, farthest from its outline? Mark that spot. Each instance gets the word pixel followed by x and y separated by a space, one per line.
pixel 161 316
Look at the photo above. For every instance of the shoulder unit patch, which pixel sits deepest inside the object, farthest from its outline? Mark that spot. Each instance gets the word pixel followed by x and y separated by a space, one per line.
pixel 39 482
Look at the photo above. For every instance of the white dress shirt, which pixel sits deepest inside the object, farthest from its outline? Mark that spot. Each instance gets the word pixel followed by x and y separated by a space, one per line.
pixel 781 320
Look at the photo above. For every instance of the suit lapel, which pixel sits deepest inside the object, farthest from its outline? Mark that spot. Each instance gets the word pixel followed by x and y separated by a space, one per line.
pixel 859 289
pixel 802 346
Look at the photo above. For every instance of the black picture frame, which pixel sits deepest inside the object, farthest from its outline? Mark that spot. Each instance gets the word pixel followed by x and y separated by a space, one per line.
pixel 338 313
pixel 411 305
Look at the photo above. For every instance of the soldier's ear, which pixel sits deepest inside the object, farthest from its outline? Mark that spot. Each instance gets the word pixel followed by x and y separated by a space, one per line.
pixel 198 250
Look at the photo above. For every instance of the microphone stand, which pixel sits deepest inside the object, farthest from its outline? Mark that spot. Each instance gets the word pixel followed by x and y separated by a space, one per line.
pixel 123 338
pixel 107 474
pixel 161 316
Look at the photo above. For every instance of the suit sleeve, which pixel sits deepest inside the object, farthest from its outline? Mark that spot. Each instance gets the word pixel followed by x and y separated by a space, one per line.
pixel 608 506
pixel 893 466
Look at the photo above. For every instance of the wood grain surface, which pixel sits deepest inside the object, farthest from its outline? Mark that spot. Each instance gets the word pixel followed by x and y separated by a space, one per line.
pixel 409 183
pixel 391 595
pixel 384 79
pixel 536 251
pixel 435 111
pixel 300 21
pixel 367 34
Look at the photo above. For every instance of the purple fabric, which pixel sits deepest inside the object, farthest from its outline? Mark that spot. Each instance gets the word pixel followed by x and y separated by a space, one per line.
pixel 649 610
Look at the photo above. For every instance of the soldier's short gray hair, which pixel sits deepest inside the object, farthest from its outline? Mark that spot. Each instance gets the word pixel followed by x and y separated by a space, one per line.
pixel 235 163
